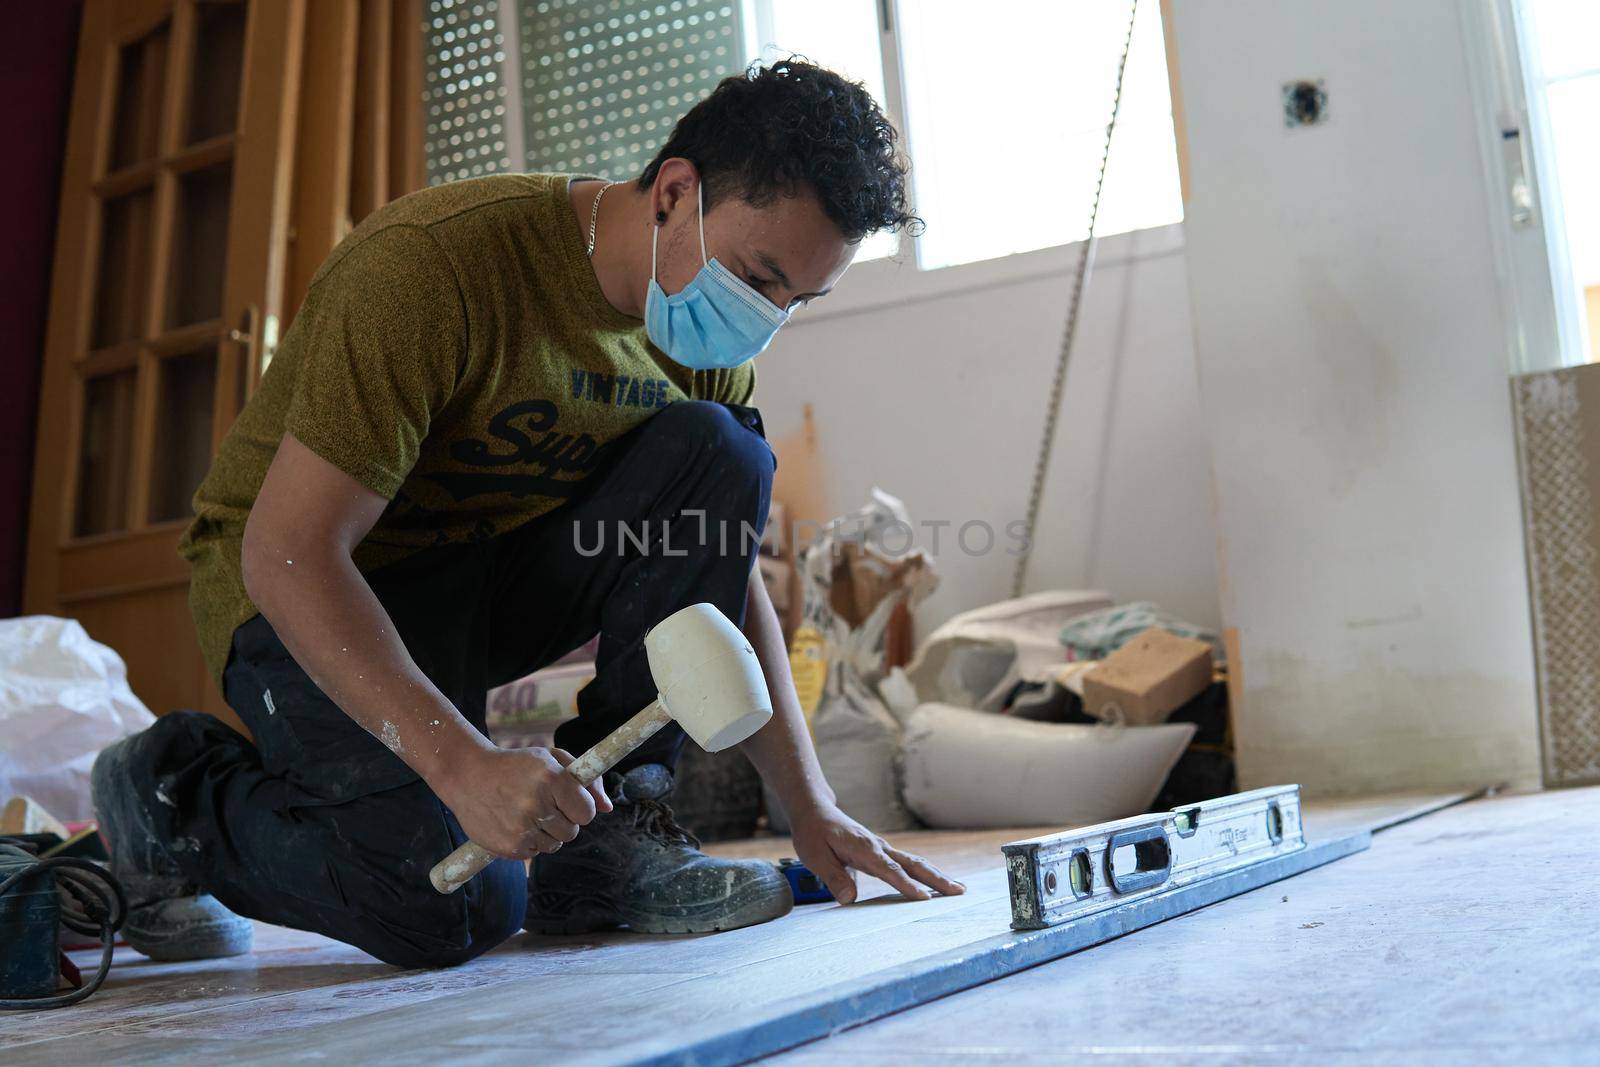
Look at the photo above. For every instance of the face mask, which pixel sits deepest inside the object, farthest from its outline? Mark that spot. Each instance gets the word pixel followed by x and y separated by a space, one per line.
pixel 716 321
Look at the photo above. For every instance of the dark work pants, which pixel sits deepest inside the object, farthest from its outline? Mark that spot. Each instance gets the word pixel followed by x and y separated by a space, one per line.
pixel 318 826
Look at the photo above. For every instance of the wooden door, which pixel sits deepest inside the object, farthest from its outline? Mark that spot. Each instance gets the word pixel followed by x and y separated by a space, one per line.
pixel 166 292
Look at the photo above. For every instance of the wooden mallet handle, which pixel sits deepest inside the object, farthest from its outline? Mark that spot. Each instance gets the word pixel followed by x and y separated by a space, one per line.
pixel 456 869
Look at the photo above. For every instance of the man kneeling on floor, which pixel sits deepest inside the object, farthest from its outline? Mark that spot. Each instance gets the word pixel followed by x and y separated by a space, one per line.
pixel 485 379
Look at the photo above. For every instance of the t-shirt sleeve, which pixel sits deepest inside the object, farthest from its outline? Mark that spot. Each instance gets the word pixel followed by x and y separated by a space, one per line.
pixel 380 342
pixel 733 386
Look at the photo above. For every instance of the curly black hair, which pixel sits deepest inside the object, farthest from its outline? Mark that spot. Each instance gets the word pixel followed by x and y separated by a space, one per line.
pixel 776 130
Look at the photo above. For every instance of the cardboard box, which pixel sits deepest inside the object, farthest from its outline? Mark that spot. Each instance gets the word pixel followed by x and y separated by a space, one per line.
pixel 1148 678
pixel 546 697
pixel 25 815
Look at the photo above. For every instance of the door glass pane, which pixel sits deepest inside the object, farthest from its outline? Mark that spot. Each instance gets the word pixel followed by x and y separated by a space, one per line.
pixel 218 62
pixel 123 285
pixel 104 453
pixel 199 245
pixel 141 76
pixel 184 401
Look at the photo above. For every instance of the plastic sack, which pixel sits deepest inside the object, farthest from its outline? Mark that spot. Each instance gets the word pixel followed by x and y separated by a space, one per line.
pixel 977 658
pixel 850 590
pixel 63 697
pixel 971 770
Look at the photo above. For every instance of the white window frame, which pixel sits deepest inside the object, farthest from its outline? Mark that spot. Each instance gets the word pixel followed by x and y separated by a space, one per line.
pixel 901 278
pixel 885 283
pixel 1524 232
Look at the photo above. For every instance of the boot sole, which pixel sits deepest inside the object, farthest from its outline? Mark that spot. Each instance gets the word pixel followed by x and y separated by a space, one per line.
pixel 763 909
pixel 194 943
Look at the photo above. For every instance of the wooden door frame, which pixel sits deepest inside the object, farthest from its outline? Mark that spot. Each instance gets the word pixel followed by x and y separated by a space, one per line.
pixel 264 161
pixel 297 178
pixel 63 570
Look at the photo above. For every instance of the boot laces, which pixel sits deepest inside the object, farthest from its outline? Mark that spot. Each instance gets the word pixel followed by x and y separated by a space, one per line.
pixel 655 819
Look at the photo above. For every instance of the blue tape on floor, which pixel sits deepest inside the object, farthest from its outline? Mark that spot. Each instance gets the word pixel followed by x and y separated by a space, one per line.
pixel 800 1019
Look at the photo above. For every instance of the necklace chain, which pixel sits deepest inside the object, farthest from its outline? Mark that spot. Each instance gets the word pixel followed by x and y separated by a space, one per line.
pixel 594 216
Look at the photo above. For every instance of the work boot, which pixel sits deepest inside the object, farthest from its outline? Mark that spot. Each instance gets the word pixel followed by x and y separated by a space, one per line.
pixel 637 867
pixel 168 917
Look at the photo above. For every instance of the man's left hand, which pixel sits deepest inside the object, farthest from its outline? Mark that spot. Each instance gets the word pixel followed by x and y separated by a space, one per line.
pixel 833 844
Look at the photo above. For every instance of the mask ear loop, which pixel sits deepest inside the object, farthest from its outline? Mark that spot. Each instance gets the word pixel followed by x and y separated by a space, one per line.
pixel 700 209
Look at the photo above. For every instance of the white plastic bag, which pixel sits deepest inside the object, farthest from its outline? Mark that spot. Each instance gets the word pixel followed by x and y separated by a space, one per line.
pixel 63 697
pixel 857 737
pixel 977 658
pixel 974 770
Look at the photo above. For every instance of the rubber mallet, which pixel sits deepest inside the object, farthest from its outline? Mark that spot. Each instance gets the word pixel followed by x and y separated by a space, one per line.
pixel 709 681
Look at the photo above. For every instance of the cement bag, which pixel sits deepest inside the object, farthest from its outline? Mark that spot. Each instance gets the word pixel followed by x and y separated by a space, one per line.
pixel 979 656
pixel 851 587
pixel 857 741
pixel 970 770
pixel 63 697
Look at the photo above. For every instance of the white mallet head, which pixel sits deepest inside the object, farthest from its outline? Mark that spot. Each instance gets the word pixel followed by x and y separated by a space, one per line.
pixel 708 677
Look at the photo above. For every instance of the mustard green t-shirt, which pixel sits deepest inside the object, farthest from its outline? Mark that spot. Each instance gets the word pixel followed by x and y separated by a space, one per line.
pixel 456 355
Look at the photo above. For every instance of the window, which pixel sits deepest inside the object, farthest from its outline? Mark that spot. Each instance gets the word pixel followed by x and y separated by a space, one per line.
pixel 590 86
pixel 841 35
pixel 974 112
pixel 984 110
pixel 602 81
pixel 463 97
pixel 1561 50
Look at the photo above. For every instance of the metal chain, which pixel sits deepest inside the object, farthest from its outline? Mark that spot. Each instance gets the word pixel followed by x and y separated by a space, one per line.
pixel 1085 262
pixel 594 216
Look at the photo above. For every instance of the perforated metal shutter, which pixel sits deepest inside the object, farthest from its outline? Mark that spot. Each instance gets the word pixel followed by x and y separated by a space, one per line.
pixel 468 120
pixel 601 83
pixel 604 83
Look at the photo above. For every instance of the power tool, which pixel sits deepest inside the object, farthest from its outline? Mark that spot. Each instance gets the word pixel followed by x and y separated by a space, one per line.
pixel 40 894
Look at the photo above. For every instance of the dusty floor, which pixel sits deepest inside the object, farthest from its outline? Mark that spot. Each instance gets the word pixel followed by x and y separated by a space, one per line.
pixel 1466 934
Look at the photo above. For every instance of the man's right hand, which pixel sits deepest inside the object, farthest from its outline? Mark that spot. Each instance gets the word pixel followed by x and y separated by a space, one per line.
pixel 518 802
pixel 296 558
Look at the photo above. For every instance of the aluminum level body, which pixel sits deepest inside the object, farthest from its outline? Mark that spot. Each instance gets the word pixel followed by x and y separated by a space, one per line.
pixel 1065 876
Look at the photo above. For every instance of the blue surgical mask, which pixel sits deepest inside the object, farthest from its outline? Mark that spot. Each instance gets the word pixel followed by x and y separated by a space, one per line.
pixel 714 322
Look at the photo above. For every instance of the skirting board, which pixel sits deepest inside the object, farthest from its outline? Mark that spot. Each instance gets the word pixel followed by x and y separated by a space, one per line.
pixel 800 1019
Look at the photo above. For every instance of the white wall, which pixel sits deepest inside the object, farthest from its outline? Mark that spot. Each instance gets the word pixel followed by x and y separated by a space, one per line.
pixel 1354 376
pixel 939 396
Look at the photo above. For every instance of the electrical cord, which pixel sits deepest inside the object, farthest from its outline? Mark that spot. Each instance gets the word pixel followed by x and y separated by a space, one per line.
pixel 92 904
